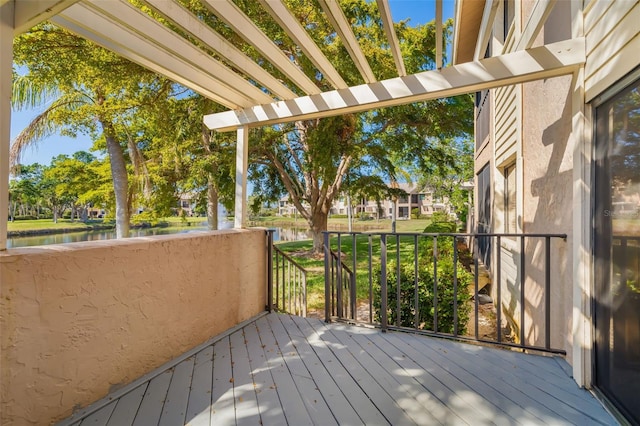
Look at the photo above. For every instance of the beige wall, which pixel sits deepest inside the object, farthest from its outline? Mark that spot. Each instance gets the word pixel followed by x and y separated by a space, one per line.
pixel 79 320
pixel 548 204
pixel 612 43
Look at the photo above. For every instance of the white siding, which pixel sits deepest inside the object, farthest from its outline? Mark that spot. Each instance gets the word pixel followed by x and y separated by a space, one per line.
pixel 507 117
pixel 612 43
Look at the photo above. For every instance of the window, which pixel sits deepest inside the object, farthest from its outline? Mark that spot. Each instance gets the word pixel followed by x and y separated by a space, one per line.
pixel 414 198
pixel 509 13
pixel 510 214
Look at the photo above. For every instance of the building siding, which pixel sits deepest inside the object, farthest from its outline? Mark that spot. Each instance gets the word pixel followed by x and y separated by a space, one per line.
pixel 612 43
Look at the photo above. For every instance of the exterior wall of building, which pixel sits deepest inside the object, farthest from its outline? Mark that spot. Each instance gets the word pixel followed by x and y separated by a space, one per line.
pixel 529 130
pixel 83 319
pixel 547 188
pixel 612 42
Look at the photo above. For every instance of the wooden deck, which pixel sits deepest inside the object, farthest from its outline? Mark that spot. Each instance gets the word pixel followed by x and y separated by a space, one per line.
pixel 281 369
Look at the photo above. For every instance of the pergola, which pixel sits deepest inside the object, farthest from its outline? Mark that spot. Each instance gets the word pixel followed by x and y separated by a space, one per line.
pixel 237 82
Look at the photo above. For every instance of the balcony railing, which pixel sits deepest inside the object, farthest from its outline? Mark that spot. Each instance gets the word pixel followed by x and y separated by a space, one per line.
pixel 287 286
pixel 431 284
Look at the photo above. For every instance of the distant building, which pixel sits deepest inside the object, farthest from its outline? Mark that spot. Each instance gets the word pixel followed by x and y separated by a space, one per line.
pixel 423 200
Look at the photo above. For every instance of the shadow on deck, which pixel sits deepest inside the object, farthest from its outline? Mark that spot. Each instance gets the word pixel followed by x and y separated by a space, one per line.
pixel 281 369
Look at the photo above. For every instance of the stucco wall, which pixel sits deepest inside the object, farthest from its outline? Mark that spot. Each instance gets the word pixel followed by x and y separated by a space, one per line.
pixel 79 320
pixel 548 204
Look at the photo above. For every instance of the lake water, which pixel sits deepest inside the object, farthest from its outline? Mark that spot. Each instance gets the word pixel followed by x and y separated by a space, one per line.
pixel 280 234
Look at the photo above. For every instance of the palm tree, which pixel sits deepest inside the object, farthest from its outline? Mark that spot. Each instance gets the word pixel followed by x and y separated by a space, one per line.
pixel 84 89
pixel 27 93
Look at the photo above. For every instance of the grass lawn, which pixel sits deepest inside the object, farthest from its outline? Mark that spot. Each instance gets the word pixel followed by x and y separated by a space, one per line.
pixel 40 224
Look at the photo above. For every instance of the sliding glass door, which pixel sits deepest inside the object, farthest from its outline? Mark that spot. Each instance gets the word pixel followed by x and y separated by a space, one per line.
pixel 617 250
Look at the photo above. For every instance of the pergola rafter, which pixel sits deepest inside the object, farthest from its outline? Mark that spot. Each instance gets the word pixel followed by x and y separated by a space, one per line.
pixel 211 65
pixel 182 18
pixel 541 62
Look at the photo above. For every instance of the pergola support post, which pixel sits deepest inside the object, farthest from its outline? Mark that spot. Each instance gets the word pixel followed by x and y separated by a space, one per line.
pixel 242 160
pixel 6 61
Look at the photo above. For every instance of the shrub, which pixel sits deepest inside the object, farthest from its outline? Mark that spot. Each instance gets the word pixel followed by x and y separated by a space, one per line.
pixel 440 228
pixel 425 290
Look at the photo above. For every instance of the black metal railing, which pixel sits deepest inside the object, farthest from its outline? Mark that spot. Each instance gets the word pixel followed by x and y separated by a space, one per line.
pixel 430 283
pixel 342 283
pixel 287 282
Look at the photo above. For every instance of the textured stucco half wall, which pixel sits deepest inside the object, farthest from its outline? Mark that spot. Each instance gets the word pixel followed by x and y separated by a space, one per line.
pixel 79 320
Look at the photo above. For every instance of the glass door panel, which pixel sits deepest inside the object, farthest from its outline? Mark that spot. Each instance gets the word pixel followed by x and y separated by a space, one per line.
pixel 617 251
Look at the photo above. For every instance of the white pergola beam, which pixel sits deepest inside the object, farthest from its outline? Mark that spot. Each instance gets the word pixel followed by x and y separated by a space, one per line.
pixel 123 13
pixel 336 18
pixel 438 34
pixel 242 165
pixel 486 27
pixel 245 28
pixel 110 35
pixel 190 24
pixel 537 18
pixel 283 16
pixel 537 63
pixel 392 37
pixel 29 13
pixel 6 61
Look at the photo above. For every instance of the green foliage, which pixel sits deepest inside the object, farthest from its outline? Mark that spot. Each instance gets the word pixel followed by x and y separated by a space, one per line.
pixel 445 289
pixel 440 217
pixel 146 218
pixel 415 213
pixel 440 227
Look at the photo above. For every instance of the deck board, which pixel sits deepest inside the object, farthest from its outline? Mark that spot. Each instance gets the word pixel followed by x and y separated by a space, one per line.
pixel 281 369
pixel 198 412
pixel 344 414
pixel 222 397
pixel 151 406
pixel 246 404
pixel 127 407
pixel 521 382
pixel 313 400
pixel 100 417
pixel 174 410
pixel 266 393
pixel 355 397
pixel 292 403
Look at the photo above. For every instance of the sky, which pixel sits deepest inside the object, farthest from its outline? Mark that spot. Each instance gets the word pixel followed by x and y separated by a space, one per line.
pixel 418 11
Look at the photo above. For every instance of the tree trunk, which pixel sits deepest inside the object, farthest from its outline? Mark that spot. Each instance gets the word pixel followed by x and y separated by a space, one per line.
pixel 212 204
pixel 317 226
pixel 120 180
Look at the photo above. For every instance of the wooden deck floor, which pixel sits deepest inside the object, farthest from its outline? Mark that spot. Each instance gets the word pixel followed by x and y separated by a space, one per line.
pixel 282 370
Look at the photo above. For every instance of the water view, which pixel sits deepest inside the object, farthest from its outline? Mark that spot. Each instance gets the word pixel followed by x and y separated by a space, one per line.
pixel 280 234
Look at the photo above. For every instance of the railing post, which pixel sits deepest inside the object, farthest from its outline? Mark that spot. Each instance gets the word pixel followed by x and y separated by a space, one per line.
pixel 455 285
pixel 383 283
pixel 499 288
pixel 475 286
pixel 269 270
pixel 339 301
pixel 277 295
pixel 370 279
pixel 304 295
pixel 547 293
pixel 353 296
pixel 435 284
pixel 327 279
pixel 398 283
pixel 522 290
pixel 416 283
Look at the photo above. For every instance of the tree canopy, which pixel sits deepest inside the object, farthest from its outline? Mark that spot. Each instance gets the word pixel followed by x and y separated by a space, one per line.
pixel 157 147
